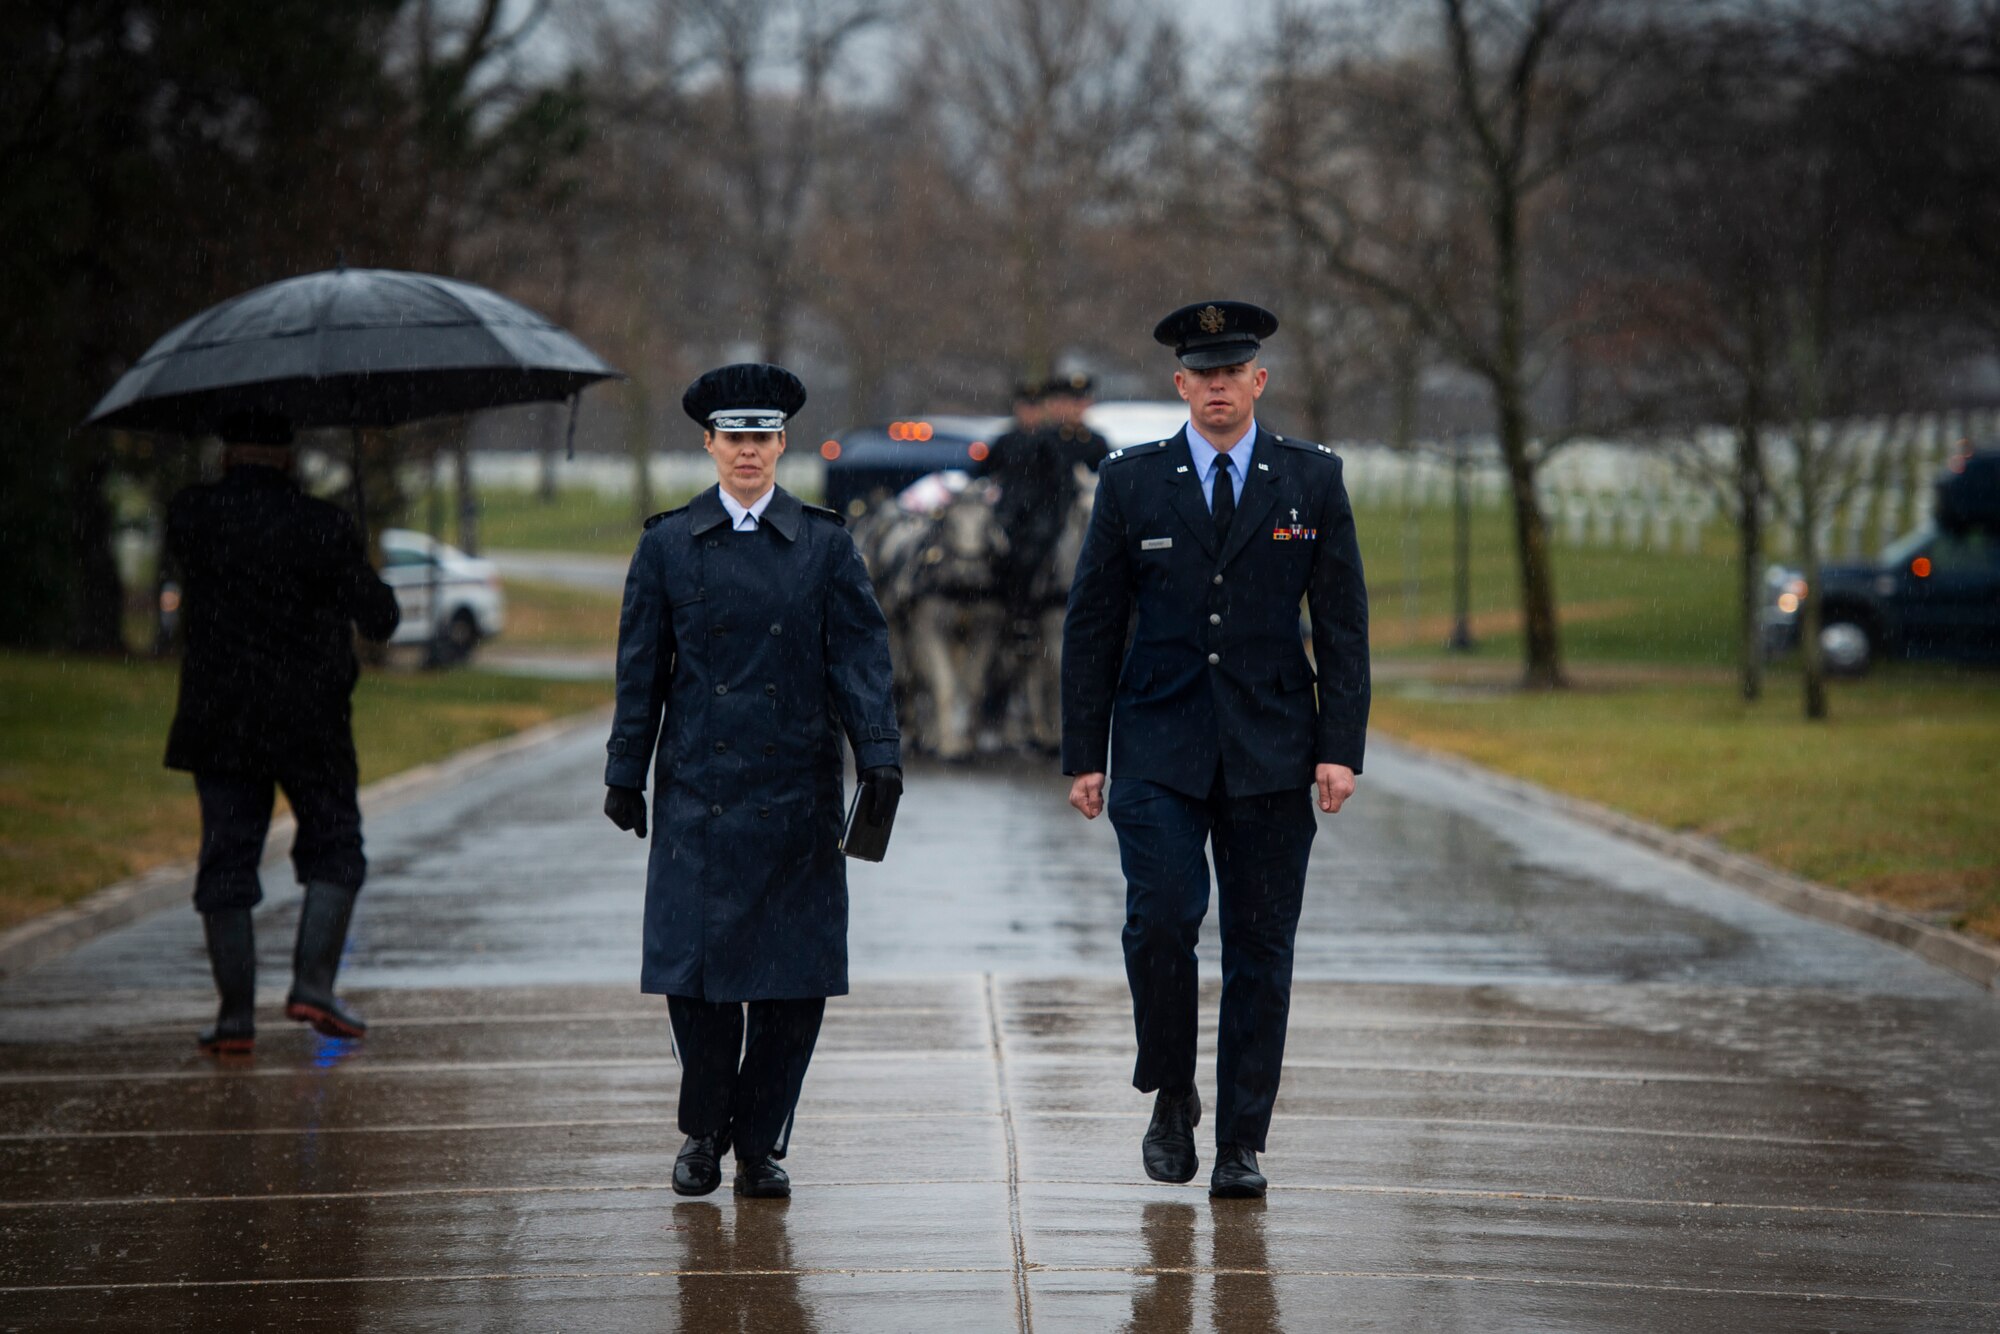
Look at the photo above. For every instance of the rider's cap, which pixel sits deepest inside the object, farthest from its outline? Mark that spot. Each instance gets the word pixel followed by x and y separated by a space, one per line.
pixel 1028 391
pixel 1077 384
pixel 748 396
pixel 1210 334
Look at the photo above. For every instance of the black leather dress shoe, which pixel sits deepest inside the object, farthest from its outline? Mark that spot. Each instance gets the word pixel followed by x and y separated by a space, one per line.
pixel 761 1179
pixel 698 1168
pixel 1169 1145
pixel 1236 1176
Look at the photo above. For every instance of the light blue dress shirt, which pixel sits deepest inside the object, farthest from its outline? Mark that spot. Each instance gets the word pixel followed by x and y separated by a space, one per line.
pixel 1206 454
pixel 745 520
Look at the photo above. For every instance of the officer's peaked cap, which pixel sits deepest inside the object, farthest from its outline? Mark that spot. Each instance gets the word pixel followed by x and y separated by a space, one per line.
pixel 1209 334
pixel 749 396
pixel 1077 384
pixel 1028 390
pixel 254 428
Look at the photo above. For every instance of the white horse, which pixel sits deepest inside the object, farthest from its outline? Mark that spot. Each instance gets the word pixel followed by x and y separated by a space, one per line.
pixel 934 570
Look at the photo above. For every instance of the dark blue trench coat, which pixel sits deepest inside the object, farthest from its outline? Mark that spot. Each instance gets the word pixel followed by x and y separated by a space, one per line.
pixel 742 656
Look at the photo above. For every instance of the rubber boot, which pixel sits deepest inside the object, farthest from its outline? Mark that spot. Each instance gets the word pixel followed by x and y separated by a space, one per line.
pixel 322 935
pixel 232 957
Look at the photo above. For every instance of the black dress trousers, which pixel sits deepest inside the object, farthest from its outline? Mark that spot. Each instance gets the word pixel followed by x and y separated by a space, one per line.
pixel 747 1088
pixel 236 815
pixel 1261 845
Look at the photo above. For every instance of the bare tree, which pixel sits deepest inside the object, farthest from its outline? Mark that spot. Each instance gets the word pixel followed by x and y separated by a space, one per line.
pixel 767 145
pixel 1435 177
pixel 1045 106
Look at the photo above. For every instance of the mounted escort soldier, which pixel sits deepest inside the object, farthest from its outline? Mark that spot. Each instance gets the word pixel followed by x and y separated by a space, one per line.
pixel 1211 726
pixel 749 642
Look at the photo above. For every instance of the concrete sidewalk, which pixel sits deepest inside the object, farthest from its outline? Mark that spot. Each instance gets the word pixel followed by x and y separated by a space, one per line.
pixel 1537 1079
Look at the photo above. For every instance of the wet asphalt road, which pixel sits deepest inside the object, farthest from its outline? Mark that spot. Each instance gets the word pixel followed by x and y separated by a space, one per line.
pixel 1537 1079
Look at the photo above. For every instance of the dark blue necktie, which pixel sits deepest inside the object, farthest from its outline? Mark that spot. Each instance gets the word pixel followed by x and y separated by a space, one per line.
pixel 1224 496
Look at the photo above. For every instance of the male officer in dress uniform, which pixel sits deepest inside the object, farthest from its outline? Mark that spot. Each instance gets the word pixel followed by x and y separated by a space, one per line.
pixel 276 583
pixel 750 640
pixel 1211 724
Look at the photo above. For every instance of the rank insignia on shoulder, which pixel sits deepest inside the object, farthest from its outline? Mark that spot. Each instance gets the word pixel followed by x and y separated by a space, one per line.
pixel 1115 454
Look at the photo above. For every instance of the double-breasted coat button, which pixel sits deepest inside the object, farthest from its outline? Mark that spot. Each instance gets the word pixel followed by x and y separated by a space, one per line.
pixel 721 747
pixel 722 690
pixel 763 812
pixel 1214 619
pixel 713 543
pixel 1216 580
pixel 770 748
pixel 1214 658
pixel 777 629
pixel 715 810
pixel 771 689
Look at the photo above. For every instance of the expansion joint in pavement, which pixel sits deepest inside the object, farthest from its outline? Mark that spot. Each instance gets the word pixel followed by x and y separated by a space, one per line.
pixel 1023 1311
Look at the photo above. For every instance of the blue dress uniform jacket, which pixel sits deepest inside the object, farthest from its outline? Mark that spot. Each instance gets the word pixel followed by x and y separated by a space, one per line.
pixel 741 658
pixel 1215 673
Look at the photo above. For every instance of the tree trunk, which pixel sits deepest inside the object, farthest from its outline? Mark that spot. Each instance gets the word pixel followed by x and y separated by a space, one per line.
pixel 1750 554
pixel 545 478
pixel 773 295
pixel 100 606
pixel 1036 352
pixel 639 445
pixel 468 497
pixel 1541 633
pixel 1805 524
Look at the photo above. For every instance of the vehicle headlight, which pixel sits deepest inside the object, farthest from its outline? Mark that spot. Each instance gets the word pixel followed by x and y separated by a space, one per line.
pixel 1788 603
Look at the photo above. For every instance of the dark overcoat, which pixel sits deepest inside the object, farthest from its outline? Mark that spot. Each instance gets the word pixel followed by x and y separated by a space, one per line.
pixel 1215 672
pixel 742 658
pixel 274 583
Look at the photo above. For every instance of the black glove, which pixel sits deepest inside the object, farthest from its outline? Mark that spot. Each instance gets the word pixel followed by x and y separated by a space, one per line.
pixel 885 791
pixel 627 808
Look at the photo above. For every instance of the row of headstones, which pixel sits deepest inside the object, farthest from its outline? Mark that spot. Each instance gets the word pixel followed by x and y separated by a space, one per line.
pixel 1608 494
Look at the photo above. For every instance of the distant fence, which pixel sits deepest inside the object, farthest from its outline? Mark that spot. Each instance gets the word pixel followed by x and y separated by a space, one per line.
pixel 1656 496
pixel 1662 496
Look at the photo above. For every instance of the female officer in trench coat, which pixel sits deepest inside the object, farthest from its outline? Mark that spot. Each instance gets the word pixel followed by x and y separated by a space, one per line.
pixel 750 639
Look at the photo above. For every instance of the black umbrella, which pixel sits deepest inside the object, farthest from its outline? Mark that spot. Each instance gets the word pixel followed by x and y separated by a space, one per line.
pixel 350 347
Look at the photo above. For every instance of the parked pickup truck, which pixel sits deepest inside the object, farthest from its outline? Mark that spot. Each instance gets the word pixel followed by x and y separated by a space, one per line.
pixel 1934 593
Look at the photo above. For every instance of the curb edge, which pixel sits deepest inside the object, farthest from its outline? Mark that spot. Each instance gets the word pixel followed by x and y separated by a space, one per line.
pixel 1970 959
pixel 42 938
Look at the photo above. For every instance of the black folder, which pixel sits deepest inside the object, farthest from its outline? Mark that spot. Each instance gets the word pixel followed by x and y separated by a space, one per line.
pixel 865 840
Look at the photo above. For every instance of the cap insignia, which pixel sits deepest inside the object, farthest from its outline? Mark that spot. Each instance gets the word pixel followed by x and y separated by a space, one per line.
pixel 1211 319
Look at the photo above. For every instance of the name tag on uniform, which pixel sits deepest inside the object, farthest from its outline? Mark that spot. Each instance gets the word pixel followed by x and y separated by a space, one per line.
pixel 1155 543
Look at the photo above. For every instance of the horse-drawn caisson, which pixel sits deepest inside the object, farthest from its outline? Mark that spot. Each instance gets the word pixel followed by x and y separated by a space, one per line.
pixel 973 578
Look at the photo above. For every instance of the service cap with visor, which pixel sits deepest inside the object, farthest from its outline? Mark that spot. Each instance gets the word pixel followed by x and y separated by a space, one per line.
pixel 745 397
pixel 1213 334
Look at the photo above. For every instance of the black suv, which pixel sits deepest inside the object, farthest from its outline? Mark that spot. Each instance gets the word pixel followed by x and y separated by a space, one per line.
pixel 1934 593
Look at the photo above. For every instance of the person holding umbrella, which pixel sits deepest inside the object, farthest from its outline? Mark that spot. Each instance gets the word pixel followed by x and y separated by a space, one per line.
pixel 749 642
pixel 274 584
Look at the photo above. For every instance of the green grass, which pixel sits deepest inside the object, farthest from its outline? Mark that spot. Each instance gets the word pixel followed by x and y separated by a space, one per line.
pixel 554 616
pixel 1616 605
pixel 578 520
pixel 84 800
pixel 1892 797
